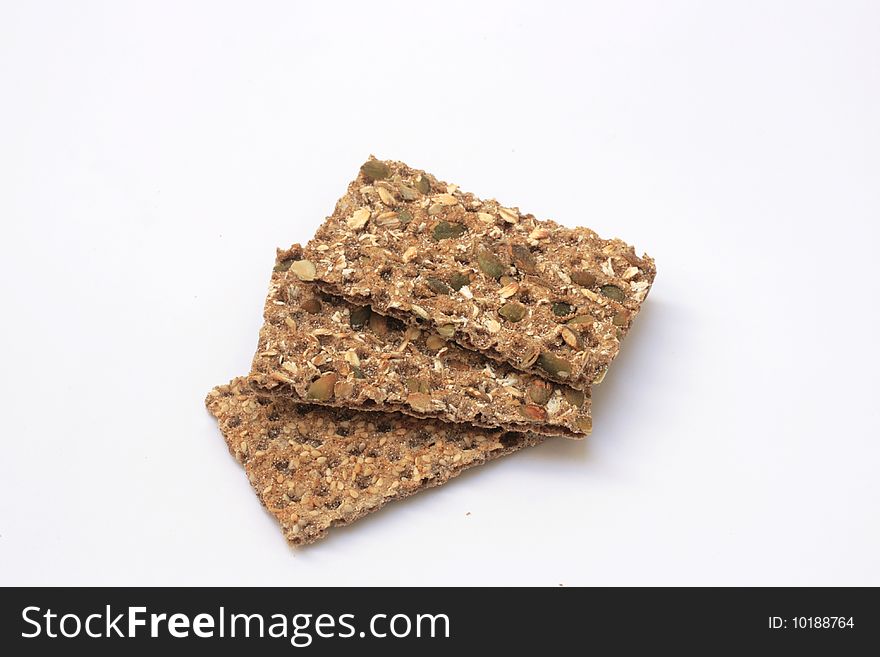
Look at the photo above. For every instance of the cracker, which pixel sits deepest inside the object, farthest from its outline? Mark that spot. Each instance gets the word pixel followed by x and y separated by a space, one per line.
pixel 316 467
pixel 542 297
pixel 321 349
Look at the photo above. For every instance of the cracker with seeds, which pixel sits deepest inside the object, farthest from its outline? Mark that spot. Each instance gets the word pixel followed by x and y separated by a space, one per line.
pixel 321 349
pixel 315 467
pixel 544 298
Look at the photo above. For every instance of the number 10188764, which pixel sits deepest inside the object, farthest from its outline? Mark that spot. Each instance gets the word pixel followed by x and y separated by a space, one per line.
pixel 811 623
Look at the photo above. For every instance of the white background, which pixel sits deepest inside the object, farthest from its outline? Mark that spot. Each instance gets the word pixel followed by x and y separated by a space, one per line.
pixel 153 155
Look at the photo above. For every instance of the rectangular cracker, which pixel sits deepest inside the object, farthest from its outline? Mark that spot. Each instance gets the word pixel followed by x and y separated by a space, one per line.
pixel 315 467
pixel 537 295
pixel 322 349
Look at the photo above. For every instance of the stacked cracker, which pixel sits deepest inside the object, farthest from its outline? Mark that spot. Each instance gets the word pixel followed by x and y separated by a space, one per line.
pixel 420 332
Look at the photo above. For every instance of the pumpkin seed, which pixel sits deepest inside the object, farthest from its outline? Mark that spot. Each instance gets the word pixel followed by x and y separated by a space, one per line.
pixel 613 292
pixel 513 311
pixel 554 365
pixel 446 229
pixel 539 391
pixel 574 397
pixel 583 278
pixel 358 317
pixel 322 389
pixel 423 185
pixel 437 286
pixel 408 193
pixel 375 170
pixel 459 280
pixel 490 265
pixel 562 309
pixel 523 259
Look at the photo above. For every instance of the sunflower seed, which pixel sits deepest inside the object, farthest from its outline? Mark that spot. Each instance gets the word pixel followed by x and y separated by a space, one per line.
pixel 508 290
pixel 570 338
pixel 446 199
pixel 358 219
pixel 581 319
pixel 386 197
pixel 343 389
pixel 508 215
pixel 539 234
pixel 409 254
pixel 492 326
